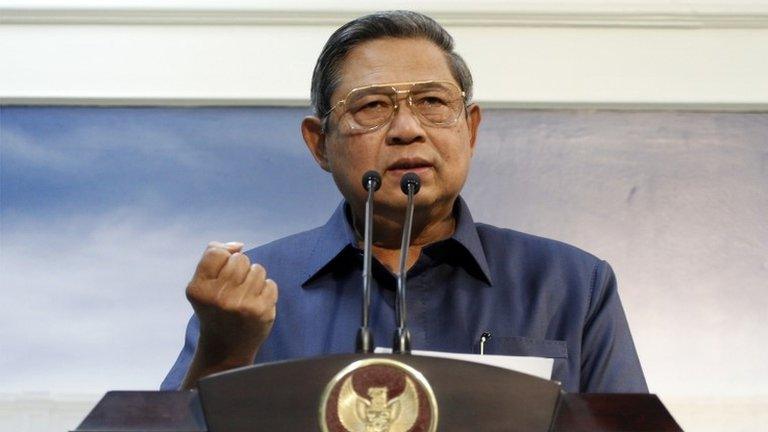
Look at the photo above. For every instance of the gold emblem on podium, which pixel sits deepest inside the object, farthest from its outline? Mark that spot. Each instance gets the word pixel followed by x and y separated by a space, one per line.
pixel 378 395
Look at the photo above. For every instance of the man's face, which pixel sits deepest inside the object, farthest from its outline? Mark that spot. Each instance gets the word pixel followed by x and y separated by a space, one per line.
pixel 439 155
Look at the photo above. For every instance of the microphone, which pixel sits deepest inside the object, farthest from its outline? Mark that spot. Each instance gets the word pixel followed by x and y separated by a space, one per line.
pixel 364 342
pixel 410 185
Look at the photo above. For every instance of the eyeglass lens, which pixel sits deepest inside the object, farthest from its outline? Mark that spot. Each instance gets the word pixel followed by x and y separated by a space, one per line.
pixel 437 104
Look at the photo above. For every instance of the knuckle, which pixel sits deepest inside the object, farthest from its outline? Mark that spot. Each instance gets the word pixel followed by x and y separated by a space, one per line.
pixel 259 307
pixel 239 261
pixel 270 294
pixel 231 305
pixel 256 314
pixel 243 266
pixel 256 283
pixel 270 315
pixel 259 271
pixel 264 313
pixel 191 294
pixel 270 288
pixel 193 291
pixel 215 254
pixel 199 295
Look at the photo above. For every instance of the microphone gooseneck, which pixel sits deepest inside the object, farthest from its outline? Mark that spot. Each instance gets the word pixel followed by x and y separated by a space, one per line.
pixel 410 185
pixel 364 342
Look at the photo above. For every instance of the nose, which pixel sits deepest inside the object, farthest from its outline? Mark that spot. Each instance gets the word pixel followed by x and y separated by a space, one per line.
pixel 404 127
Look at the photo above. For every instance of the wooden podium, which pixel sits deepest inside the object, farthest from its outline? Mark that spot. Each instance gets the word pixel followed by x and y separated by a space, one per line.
pixel 351 392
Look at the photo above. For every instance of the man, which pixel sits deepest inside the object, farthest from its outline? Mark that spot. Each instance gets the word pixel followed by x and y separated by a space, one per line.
pixel 390 95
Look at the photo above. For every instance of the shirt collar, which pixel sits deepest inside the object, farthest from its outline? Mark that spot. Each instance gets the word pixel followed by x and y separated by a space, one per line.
pixel 337 234
pixel 466 235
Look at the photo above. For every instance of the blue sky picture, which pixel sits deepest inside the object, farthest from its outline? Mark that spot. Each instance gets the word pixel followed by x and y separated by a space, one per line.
pixel 202 160
pixel 104 213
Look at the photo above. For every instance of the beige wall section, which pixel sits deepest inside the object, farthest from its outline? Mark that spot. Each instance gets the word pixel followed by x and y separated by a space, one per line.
pixel 665 54
pixel 618 65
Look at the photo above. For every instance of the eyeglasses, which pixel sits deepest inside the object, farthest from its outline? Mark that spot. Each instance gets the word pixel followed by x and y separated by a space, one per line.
pixel 365 109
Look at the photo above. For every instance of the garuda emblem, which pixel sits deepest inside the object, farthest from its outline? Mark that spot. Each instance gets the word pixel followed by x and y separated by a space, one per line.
pixel 378 395
pixel 377 413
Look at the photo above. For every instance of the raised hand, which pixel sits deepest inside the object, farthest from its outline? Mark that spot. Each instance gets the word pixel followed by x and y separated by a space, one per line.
pixel 236 306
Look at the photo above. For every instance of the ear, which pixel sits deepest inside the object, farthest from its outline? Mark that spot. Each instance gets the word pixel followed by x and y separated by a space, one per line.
pixel 474 116
pixel 314 137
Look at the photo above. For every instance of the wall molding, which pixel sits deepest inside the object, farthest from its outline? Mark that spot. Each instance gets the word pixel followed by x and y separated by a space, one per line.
pixel 551 54
pixel 522 105
pixel 508 17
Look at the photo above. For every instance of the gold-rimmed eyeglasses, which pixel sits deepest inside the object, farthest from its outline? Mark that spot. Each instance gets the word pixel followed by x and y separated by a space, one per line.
pixel 365 109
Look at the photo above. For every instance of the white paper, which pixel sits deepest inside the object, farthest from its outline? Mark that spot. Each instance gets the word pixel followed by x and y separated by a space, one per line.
pixel 537 366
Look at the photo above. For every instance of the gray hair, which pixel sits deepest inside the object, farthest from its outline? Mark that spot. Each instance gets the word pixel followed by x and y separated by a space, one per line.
pixel 389 24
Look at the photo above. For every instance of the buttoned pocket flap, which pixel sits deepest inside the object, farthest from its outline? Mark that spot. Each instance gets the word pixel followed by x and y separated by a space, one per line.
pixel 523 346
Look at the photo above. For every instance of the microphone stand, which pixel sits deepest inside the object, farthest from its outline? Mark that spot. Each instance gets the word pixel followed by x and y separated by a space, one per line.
pixel 410 185
pixel 364 342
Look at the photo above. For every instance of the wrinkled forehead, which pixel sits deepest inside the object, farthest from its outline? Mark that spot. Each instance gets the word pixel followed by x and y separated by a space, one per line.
pixel 389 60
pixel 408 87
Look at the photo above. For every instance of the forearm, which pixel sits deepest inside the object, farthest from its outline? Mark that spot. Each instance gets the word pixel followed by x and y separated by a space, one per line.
pixel 208 360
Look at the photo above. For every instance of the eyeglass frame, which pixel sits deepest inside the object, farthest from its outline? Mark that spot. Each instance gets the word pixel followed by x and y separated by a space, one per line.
pixel 397 105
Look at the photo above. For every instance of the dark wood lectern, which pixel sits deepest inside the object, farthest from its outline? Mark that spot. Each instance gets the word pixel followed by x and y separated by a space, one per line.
pixel 342 392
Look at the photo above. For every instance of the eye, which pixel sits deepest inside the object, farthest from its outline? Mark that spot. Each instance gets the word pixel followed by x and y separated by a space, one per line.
pixel 371 104
pixel 374 105
pixel 431 101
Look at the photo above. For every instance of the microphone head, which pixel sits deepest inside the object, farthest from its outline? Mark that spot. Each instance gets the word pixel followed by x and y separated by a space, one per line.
pixel 371 178
pixel 409 179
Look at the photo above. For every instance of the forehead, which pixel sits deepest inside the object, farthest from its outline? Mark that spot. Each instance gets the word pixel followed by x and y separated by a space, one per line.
pixel 391 60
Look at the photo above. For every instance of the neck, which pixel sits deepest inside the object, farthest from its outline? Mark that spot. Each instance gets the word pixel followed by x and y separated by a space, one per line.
pixel 430 224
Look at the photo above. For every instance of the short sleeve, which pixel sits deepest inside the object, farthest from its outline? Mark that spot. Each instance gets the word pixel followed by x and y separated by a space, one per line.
pixel 609 361
pixel 179 370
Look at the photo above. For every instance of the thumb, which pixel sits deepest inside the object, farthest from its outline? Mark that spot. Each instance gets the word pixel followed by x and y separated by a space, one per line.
pixel 233 247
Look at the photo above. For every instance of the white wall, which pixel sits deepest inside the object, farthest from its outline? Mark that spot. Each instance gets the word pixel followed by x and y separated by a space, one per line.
pixel 575 53
pixel 656 54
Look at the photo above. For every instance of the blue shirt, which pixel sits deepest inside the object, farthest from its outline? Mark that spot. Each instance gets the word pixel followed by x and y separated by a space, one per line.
pixel 537 297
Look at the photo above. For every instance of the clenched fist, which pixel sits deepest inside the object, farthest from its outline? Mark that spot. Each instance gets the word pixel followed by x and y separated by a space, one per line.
pixel 235 303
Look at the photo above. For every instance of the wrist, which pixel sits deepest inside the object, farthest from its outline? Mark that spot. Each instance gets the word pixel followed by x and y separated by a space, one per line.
pixel 212 352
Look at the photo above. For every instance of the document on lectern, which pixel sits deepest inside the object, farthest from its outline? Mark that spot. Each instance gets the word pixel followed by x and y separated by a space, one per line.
pixel 537 366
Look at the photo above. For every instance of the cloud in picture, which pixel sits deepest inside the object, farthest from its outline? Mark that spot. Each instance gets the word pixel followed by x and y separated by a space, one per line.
pixel 105 212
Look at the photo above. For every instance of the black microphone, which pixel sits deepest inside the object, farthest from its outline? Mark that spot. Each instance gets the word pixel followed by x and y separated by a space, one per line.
pixel 410 185
pixel 364 342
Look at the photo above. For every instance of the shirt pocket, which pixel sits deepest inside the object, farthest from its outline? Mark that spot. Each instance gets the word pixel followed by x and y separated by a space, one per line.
pixel 523 346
